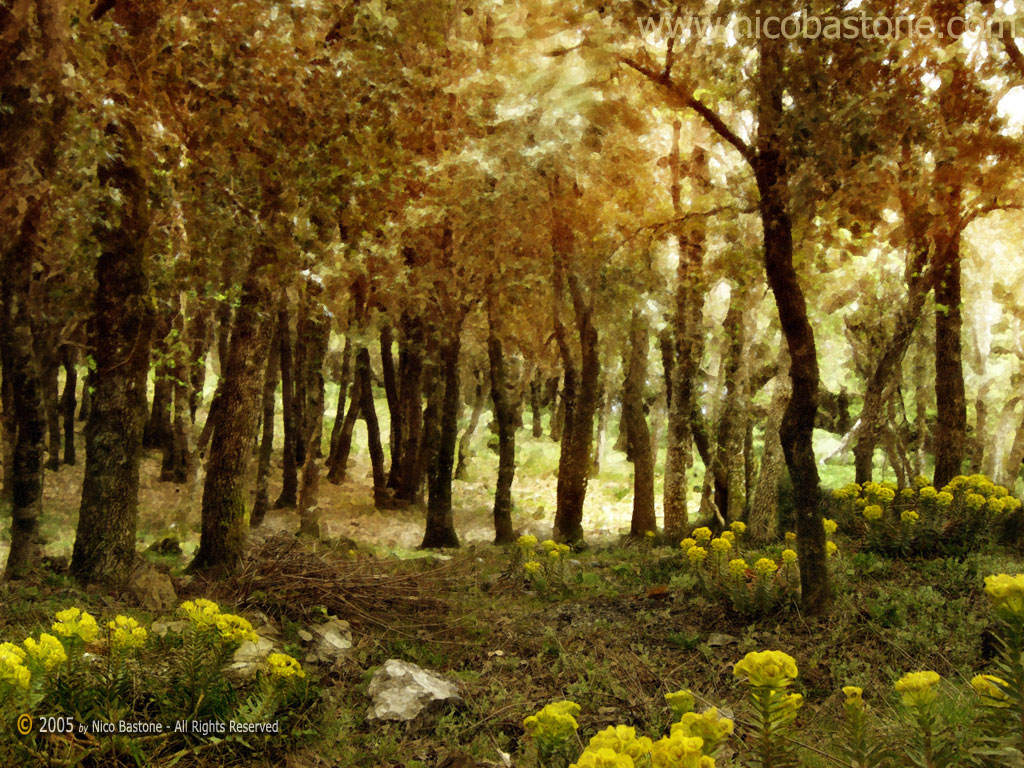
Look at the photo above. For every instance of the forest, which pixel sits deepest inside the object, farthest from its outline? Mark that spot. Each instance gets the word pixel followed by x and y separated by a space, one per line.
pixel 576 384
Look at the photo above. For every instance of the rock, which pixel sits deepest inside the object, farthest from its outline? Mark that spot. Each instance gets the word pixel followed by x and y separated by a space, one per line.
pixel 247 659
pixel 405 692
pixel 330 641
pixel 716 639
pixel 167 546
pixel 152 590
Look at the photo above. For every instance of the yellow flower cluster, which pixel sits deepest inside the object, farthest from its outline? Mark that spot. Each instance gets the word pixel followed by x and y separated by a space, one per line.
pixel 697 554
pixel 928 493
pixel 831 526
pixel 991 689
pixel 686 543
pixel 205 614
pixel 680 751
pixel 944 499
pixel 554 724
pixel 201 612
pixel 680 702
pixel 831 548
pixel 126 632
pixel 709 726
pixel 1007 593
pixel 729 536
pixel 603 758
pixel 74 622
pixel 854 697
pixel 873 512
pixel 47 650
pixel 283 665
pixel 848 491
pixel 772 669
pixel 790 537
pixel 721 545
pixel 738 527
pixel 788 556
pixel 909 516
pixel 12 666
pixel 554 549
pixel 917 689
pixel 702 535
pixel 974 501
pixel 527 541
pixel 531 566
pixel 738 567
pixel 765 566
pixel 622 740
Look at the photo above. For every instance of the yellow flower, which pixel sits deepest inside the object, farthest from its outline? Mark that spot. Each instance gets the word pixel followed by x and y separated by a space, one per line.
pixel 621 740
pixel 563 548
pixel 201 612
pixel 738 567
pixel 909 516
pixel 1007 593
pixel 721 545
pixel 873 512
pixel 710 726
pixel 680 751
pixel 702 535
pixel 944 499
pixel 738 527
pixel 685 544
pixel 885 494
pixel 773 669
pixel 12 666
pixel 831 526
pixel 928 492
pixel 283 665
pixel 765 566
pixel 729 536
pixel 549 545
pixel 999 491
pixel 680 702
pixel 974 501
pixel 917 689
pixel 790 537
pixel 907 493
pixel 697 554
pixel 531 566
pixel 554 553
pixel 603 758
pixel 126 632
pixel 234 628
pixel 47 651
pixel 526 541
pixel 74 622
pixel 554 724
pixel 830 548
pixel 788 556
pixel 649 534
pixel 854 697
pixel 992 690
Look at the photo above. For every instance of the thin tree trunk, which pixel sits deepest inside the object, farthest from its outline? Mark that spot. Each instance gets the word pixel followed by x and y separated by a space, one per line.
pixel 950 397
pixel 536 388
pixel 69 356
pixel 503 533
pixel 635 422
pixel 49 367
pixel 430 436
pixel 86 399
pixel 290 472
pixel 337 463
pixel 407 476
pixel 479 400
pixel 339 415
pixel 266 451
pixel 368 410
pixel 390 377
pixel 224 519
pixel 603 407
pixel 8 425
pixel 440 528
pixel 763 521
pixel 309 510
pixel 558 407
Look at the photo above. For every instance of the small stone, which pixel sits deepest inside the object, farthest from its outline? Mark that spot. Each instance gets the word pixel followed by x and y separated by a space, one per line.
pixel 717 639
pixel 405 692
pixel 152 590
pixel 306 636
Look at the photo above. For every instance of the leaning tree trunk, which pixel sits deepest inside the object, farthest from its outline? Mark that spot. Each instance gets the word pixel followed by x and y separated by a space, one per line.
pixel 69 358
pixel 503 415
pixel 368 410
pixel 337 462
pixel 224 519
pixel 687 348
pixel 474 420
pixel 643 520
pixel 950 398
pixel 440 529
pixel 290 472
pixel 763 522
pixel 266 451
pixel 121 328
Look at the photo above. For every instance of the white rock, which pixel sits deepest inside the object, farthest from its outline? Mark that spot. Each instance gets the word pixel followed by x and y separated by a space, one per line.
pixel 403 691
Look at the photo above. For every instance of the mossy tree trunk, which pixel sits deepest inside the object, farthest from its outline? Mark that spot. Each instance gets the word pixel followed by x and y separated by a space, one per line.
pixel 440 528
pixel 503 416
pixel 635 423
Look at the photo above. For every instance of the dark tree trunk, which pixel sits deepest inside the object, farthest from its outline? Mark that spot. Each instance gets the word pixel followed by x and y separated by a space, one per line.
pixel 223 315
pixel 337 462
pixel 266 451
pixel 224 518
pixel 440 529
pixel 636 424
pixel 682 365
pixel 474 420
pixel 344 380
pixel 157 432
pixel 86 399
pixel 316 335
pixel 300 384
pixel 405 473
pixel 388 373
pixel 49 368
pixel 290 471
pixel 727 463
pixel 179 459
pixel 368 410
pixel 558 407
pixel 797 428
pixel 199 343
pixel 309 511
pixel 536 387
pixel 7 422
pixel 69 357
pixel 602 426
pixel 430 435
pixel 122 327
pixel 21 377
pixel 950 399
pixel 503 533
pixel 763 524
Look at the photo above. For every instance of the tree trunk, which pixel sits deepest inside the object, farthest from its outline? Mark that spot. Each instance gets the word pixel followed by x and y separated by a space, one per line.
pixel 337 463
pixel 368 411
pixel 430 436
pixel 309 510
pixel 636 424
pixel 558 407
pixel 179 461
pixel 536 387
pixel 49 367
pixel 440 529
pixel 951 432
pixel 69 357
pixel 8 426
pixel 797 429
pixel 339 415
pixel 602 426
pixel 390 377
pixel 121 327
pixel 156 434
pixel 687 347
pixel 290 472
pixel 474 420
pixel 266 451
pixel 763 522
pixel 86 400
pixel 198 333
pixel 406 477
pixel 727 468
pixel 503 533
pixel 224 519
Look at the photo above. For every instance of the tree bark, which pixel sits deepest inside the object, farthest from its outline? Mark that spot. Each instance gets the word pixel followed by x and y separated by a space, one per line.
pixel 224 519
pixel 440 529
pixel 474 420
pixel 337 462
pixel 368 411
pixel 643 519
pixel 344 381
pixel 503 533
pixel 763 522
pixel 269 404
pixel 536 387
pixel 950 398
pixel 390 377
pixel 69 358
pixel 309 510
pixel 405 471
pixel 122 326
